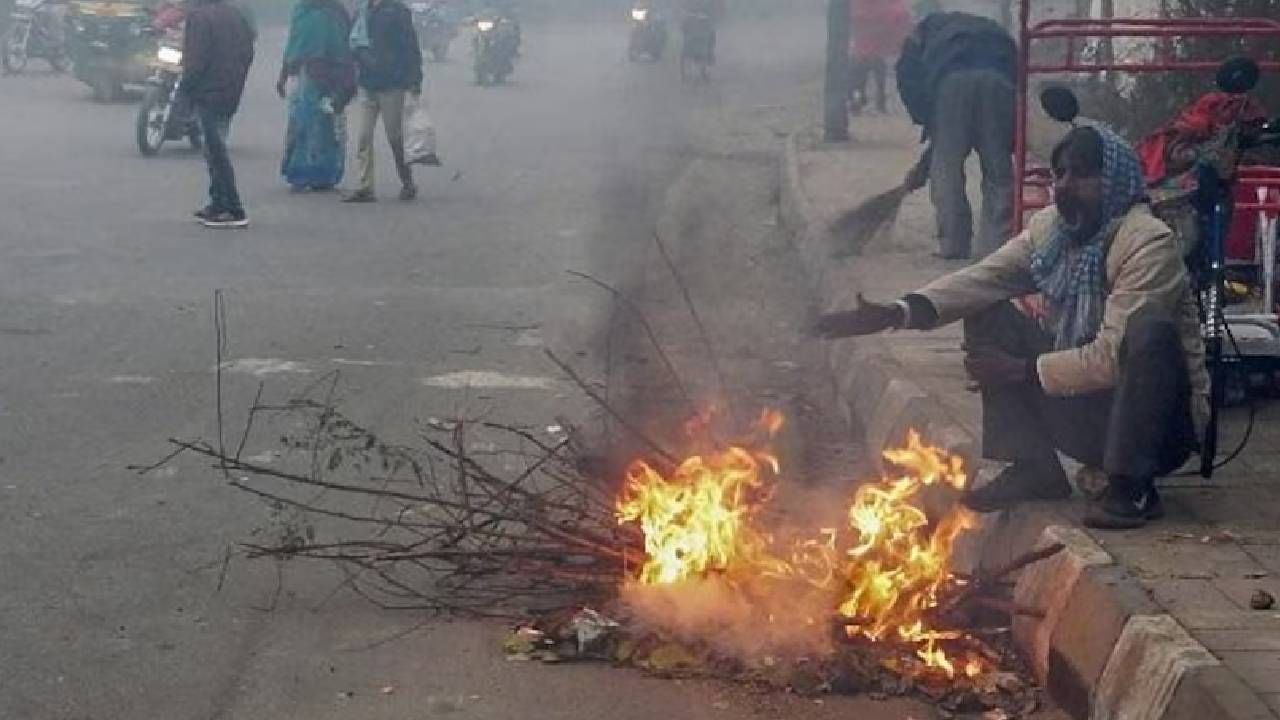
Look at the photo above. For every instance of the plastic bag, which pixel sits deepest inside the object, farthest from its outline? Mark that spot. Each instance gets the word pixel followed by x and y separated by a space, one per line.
pixel 419 130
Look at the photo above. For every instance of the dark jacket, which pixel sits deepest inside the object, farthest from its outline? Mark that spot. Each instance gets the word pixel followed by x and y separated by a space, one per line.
pixel 393 60
pixel 943 43
pixel 217 52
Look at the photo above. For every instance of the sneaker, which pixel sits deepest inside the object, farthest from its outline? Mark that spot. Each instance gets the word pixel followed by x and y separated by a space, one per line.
pixel 1020 482
pixel 408 192
pixel 359 196
pixel 1120 510
pixel 226 219
pixel 204 213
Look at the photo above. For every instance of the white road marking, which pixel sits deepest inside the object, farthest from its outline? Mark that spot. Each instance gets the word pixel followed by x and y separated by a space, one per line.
pixel 488 379
pixel 131 380
pixel 258 367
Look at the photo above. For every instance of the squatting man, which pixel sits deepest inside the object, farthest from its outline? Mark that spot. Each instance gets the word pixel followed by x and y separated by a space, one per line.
pixel 1108 367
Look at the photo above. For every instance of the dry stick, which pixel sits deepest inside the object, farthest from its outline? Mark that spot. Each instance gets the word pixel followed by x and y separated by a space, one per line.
pixel 640 434
pixel 697 319
pixel 985 581
pixel 648 330
pixel 248 425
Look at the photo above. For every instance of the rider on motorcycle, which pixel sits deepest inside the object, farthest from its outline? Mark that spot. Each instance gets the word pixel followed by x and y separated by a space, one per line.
pixel 710 10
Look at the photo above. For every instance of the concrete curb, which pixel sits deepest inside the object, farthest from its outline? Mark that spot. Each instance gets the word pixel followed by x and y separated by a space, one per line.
pixel 1104 649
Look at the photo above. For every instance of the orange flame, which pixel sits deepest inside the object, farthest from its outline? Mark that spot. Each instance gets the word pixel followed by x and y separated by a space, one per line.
pixel 898 563
pixel 886 567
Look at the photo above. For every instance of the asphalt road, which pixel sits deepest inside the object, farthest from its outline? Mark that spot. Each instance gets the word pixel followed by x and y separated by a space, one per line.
pixel 109 608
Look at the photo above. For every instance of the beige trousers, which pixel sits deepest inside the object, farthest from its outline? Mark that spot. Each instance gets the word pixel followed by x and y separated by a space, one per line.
pixel 389 104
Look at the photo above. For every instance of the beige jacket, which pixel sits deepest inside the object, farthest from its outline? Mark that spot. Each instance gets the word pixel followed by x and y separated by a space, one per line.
pixel 1144 267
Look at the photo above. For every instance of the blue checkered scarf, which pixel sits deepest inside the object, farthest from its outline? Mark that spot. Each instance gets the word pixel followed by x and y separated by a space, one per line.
pixel 1070 274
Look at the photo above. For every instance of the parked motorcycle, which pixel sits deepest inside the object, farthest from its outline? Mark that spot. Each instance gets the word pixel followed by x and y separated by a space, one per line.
pixel 495 46
pixel 110 45
pixel 35 30
pixel 648 35
pixel 698 52
pixel 436 30
pixel 164 115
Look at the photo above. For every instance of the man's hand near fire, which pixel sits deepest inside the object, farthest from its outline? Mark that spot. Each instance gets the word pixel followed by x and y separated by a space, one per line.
pixel 866 318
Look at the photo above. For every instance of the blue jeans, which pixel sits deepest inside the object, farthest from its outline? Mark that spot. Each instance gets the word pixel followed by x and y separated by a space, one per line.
pixel 223 196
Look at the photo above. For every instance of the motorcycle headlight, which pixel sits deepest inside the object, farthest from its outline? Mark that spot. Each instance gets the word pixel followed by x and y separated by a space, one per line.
pixel 169 56
pixel 486 25
pixel 639 14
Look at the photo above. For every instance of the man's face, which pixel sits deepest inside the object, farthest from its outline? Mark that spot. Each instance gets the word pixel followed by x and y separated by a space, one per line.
pixel 1077 192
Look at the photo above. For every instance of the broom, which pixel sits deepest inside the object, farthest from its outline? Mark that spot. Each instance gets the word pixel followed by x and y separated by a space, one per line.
pixel 856 228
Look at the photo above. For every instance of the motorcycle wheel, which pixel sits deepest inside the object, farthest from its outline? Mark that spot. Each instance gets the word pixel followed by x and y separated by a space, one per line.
pixel 15 52
pixel 58 64
pixel 149 127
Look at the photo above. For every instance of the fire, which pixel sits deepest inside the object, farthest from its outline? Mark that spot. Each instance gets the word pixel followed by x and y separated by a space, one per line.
pixel 898 561
pixel 883 570
pixel 700 520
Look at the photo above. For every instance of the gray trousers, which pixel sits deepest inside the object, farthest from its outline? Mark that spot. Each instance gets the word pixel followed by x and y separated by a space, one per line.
pixel 1140 430
pixel 973 112
pixel 389 104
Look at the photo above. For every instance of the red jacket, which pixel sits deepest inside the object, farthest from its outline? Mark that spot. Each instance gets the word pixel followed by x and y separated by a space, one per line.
pixel 877 28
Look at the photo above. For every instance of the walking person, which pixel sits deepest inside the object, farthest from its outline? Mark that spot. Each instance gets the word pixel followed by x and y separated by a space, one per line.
pixel 389 67
pixel 877 29
pixel 317 57
pixel 217 52
pixel 1111 373
pixel 956 78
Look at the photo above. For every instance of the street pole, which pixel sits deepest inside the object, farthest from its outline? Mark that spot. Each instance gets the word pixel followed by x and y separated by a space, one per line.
pixel 836 93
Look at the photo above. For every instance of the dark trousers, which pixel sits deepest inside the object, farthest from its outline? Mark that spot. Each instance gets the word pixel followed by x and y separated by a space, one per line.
pixel 864 70
pixel 215 125
pixel 1140 430
pixel 973 112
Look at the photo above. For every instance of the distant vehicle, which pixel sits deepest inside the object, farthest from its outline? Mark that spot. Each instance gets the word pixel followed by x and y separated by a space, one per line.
pixel 163 115
pixel 697 53
pixel 35 30
pixel 495 46
pixel 436 28
pixel 111 45
pixel 648 35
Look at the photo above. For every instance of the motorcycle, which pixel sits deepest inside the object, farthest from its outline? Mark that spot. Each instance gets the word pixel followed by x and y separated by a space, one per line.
pixel 164 115
pixel 495 45
pixel 648 35
pixel 436 30
pixel 111 46
pixel 698 52
pixel 35 31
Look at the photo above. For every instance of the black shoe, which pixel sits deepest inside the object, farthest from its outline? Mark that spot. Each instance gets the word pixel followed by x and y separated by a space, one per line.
pixel 204 213
pixel 408 192
pixel 1120 510
pixel 1020 482
pixel 226 219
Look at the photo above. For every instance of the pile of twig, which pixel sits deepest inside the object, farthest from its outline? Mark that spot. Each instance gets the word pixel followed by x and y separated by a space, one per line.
pixel 477 518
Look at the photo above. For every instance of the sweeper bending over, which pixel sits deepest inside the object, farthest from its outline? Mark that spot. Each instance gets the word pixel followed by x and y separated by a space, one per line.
pixel 1110 371
pixel 956 79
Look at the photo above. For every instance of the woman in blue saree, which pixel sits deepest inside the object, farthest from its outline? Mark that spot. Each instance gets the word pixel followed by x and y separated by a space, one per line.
pixel 318 57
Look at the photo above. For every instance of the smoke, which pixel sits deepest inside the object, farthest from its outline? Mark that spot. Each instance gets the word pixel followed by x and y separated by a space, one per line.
pixel 764 618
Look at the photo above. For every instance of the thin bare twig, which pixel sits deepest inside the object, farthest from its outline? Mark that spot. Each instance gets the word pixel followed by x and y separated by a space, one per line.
pixel 697 318
pixel 622 420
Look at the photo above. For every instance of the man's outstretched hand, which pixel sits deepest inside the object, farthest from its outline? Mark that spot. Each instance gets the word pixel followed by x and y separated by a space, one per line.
pixel 865 319
pixel 994 368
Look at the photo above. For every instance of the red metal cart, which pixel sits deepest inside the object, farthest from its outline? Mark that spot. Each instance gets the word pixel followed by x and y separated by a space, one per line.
pixel 1032 192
